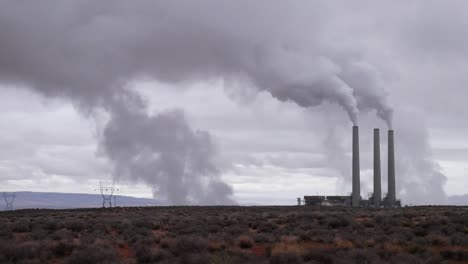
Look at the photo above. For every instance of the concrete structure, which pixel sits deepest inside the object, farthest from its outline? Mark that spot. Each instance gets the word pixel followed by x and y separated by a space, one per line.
pixel 391 170
pixel 339 200
pixel 356 169
pixel 377 195
pixel 314 200
pixel 318 200
pixel 375 199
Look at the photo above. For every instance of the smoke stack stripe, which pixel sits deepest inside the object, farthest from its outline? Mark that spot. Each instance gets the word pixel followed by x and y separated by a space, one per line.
pixel 356 195
pixel 377 175
pixel 391 169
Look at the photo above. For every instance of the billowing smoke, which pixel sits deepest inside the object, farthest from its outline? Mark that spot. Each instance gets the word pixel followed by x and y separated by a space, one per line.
pixel 164 152
pixel 368 89
pixel 290 75
pixel 87 48
pixel 89 51
pixel 420 179
pixel 336 155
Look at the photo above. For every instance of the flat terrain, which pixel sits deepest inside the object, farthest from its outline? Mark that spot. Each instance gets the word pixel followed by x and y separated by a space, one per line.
pixel 235 235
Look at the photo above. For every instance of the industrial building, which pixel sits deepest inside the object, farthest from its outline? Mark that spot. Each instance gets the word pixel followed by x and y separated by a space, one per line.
pixel 355 199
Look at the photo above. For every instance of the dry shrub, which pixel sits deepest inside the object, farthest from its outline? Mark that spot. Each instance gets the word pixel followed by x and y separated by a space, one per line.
pixel 262 238
pixel 363 256
pixel 455 255
pixel 437 240
pixel 420 231
pixel 145 254
pixel 11 252
pixel 189 244
pixel 282 248
pixel 62 234
pixel 194 258
pixel 335 222
pixel 343 243
pixel 167 243
pixel 289 239
pixel 245 242
pixel 405 258
pixel 63 248
pixel 74 225
pixel 216 246
pixel 22 226
pixel 285 257
pixel 96 253
pixel 222 235
pixel 319 256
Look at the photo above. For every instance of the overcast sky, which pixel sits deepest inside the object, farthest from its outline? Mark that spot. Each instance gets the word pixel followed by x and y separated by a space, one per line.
pixel 277 126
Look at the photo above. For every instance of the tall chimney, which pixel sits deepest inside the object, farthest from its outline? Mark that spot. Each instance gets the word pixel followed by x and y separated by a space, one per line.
pixel 377 179
pixel 391 170
pixel 356 196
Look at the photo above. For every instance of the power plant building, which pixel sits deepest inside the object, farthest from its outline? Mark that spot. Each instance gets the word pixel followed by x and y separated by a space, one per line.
pixel 355 199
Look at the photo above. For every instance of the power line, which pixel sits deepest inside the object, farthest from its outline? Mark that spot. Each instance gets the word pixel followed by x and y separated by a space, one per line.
pixel 9 199
pixel 107 193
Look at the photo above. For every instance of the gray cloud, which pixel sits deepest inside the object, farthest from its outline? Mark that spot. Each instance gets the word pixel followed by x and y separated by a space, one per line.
pixel 89 51
pixel 86 49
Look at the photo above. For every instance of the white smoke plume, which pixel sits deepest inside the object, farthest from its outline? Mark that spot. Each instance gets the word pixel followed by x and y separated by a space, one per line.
pixel 368 89
pixel 88 51
pixel 420 180
pixel 78 50
pixel 164 152
pixel 336 155
pixel 85 49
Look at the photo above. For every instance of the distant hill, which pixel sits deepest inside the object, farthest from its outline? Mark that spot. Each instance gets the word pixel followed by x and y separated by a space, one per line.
pixel 46 200
pixel 458 200
pixel 49 200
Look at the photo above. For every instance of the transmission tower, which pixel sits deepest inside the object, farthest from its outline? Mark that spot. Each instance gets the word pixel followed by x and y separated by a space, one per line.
pixel 107 193
pixel 9 199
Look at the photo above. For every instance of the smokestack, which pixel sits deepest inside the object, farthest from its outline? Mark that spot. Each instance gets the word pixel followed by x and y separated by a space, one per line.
pixel 391 170
pixel 377 176
pixel 356 196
